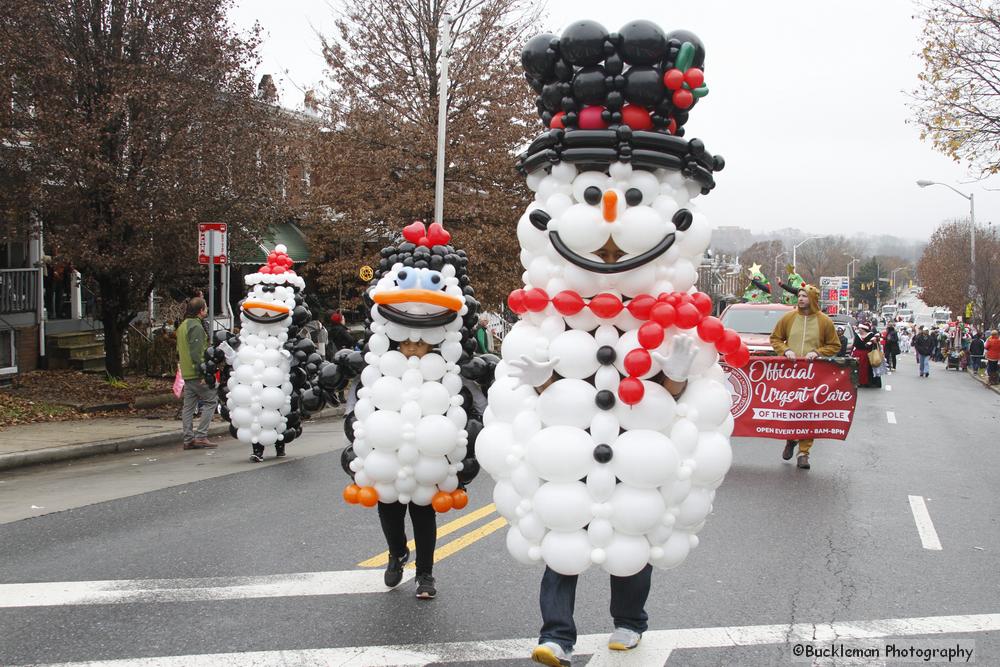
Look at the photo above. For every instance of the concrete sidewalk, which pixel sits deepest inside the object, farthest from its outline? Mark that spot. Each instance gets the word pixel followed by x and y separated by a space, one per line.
pixel 49 442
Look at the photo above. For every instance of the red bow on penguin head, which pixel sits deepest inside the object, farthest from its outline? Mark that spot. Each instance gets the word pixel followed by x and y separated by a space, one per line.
pixel 418 234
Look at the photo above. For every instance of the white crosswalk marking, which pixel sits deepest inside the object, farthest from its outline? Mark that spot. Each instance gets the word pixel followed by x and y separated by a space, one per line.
pixel 54 593
pixel 654 643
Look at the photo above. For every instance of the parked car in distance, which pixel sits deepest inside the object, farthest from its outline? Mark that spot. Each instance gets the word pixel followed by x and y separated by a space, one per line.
pixel 754 322
pixel 904 315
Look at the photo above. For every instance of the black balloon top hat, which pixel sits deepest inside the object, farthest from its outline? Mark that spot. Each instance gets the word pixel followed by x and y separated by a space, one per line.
pixel 621 96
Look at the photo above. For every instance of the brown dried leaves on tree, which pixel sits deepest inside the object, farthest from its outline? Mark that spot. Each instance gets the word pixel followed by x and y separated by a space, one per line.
pixel 131 122
pixel 944 272
pixel 376 167
pixel 957 103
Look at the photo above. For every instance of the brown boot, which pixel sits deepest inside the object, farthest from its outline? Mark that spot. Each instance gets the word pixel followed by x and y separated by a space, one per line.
pixel 804 461
pixel 786 454
pixel 194 444
pixel 205 443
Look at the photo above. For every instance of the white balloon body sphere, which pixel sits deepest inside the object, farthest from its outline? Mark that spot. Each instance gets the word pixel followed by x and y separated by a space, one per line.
pixel 583 480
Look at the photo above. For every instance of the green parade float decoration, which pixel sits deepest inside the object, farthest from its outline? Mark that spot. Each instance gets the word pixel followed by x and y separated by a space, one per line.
pixel 758 290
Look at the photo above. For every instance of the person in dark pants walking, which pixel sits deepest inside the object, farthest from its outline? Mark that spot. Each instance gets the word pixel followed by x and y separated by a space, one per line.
pixel 977 349
pixel 392 516
pixel 628 608
pixel 891 346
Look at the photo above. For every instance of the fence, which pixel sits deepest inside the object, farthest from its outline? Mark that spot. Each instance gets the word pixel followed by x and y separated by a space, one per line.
pixel 154 354
pixel 18 291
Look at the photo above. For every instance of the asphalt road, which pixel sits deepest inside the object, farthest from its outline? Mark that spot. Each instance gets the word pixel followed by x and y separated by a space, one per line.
pixel 787 554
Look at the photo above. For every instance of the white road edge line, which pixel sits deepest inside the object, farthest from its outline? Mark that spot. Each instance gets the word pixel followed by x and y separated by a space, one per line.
pixel 48 594
pixel 653 642
pixel 891 417
pixel 928 536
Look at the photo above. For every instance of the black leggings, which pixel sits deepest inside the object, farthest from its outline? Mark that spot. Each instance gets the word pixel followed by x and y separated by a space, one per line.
pixel 891 358
pixel 393 518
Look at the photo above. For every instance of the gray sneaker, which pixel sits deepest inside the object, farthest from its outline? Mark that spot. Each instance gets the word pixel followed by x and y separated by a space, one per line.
pixel 551 654
pixel 623 639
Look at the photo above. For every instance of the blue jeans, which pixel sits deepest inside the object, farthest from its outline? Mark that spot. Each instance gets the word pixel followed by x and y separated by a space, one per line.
pixel 976 363
pixel 558 598
pixel 925 363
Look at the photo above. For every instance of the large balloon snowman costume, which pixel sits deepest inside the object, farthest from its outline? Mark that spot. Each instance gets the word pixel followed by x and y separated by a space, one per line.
pixel 265 367
pixel 596 461
pixel 410 442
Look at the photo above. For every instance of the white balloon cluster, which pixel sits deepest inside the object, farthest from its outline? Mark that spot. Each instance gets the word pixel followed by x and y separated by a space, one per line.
pixel 582 477
pixel 410 435
pixel 259 387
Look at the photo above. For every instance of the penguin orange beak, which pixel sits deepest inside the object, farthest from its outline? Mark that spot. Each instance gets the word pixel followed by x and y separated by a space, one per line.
pixel 260 305
pixel 433 298
pixel 610 206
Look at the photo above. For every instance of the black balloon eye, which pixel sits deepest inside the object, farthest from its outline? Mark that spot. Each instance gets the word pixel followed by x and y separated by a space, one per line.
pixel 592 195
pixel 683 219
pixel 633 196
pixel 540 219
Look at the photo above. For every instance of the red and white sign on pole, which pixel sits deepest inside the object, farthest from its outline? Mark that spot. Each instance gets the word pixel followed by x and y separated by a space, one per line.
pixel 212 239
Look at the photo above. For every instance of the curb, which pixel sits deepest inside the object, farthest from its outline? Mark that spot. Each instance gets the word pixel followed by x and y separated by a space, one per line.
pixel 81 450
pixel 985 382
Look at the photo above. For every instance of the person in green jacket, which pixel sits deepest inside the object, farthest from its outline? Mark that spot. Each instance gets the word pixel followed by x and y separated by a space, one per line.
pixel 192 341
pixel 484 338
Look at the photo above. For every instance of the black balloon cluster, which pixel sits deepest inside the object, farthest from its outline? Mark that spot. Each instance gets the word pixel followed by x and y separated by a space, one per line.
pixel 624 96
pixel 309 392
pixel 590 78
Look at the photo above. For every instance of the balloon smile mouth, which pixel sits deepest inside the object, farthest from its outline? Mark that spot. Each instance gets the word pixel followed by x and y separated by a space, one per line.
pixel 414 320
pixel 264 313
pixel 594 266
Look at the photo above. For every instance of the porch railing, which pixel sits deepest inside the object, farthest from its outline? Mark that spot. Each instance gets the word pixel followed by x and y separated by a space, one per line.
pixel 18 291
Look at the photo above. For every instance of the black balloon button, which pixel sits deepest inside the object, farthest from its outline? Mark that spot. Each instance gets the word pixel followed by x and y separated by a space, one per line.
pixel 606 355
pixel 603 453
pixel 605 399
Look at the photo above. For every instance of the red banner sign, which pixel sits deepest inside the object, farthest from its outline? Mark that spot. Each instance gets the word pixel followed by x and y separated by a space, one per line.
pixel 775 397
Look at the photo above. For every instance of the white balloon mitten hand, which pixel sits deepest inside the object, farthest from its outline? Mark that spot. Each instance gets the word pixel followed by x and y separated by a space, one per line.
pixel 531 372
pixel 678 364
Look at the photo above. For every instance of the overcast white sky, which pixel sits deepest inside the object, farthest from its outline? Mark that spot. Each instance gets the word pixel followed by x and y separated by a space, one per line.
pixel 807 104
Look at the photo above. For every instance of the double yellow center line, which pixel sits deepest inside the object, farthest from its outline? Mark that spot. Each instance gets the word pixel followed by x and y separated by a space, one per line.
pixel 455 545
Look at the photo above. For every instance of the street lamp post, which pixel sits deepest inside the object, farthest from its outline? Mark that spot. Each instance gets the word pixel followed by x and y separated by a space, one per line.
pixel 776 258
pixel 796 247
pixel 447 20
pixel 892 279
pixel 972 233
pixel 850 278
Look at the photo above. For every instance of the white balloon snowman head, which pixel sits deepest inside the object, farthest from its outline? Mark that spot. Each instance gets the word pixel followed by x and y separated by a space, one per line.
pixel 619 229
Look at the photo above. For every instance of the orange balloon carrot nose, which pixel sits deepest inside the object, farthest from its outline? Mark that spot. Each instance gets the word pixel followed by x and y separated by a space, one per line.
pixel 610 206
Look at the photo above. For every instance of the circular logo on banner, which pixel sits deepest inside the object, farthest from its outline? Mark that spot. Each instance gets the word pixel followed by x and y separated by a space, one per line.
pixel 366 273
pixel 739 388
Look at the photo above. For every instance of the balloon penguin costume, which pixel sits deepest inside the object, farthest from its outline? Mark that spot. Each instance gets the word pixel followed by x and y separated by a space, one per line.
pixel 595 461
pixel 414 426
pixel 265 369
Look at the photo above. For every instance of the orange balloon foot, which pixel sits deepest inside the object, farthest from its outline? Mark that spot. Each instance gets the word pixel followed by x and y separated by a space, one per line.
pixel 442 501
pixel 351 493
pixel 367 496
pixel 459 499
